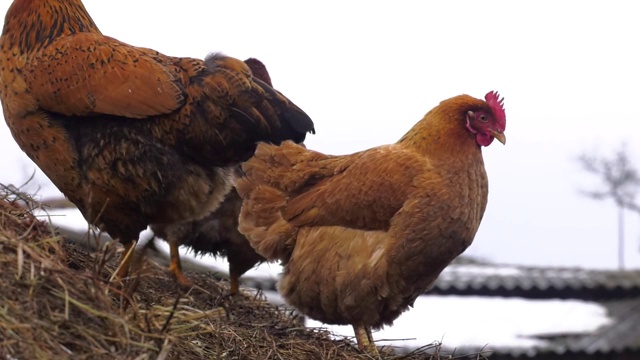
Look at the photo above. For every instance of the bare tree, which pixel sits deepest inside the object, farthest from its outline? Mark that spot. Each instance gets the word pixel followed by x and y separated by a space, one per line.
pixel 620 182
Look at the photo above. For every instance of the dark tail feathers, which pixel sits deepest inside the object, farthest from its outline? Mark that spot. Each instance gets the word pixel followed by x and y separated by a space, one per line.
pixel 292 123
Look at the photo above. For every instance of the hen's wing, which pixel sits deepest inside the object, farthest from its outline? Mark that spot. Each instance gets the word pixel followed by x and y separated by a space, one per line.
pixel 366 195
pixel 89 73
pixel 362 191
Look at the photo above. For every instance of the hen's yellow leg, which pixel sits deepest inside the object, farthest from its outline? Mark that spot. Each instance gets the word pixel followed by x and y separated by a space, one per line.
pixel 234 283
pixel 365 339
pixel 125 260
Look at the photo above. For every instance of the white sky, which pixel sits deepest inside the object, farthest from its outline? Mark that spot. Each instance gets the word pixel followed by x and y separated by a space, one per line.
pixel 367 71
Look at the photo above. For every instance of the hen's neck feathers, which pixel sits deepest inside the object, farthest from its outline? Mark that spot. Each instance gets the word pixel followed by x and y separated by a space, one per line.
pixel 442 132
pixel 33 24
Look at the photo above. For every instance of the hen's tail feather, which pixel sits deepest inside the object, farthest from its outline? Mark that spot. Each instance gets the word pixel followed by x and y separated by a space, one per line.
pixel 265 113
pixel 288 167
pixel 273 176
pixel 265 189
pixel 296 123
pixel 262 223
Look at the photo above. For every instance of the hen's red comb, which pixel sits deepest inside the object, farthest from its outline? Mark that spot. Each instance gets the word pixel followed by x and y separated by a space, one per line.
pixel 497 106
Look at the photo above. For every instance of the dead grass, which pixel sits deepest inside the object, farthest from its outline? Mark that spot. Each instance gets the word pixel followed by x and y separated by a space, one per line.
pixel 56 302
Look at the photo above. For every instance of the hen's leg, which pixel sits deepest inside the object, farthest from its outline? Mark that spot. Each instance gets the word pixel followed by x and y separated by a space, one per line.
pixel 237 267
pixel 176 265
pixel 370 336
pixel 241 259
pixel 365 339
pixel 125 260
pixel 234 283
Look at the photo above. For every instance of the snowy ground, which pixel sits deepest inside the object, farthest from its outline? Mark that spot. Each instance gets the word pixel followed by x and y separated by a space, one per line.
pixel 469 321
pixel 456 321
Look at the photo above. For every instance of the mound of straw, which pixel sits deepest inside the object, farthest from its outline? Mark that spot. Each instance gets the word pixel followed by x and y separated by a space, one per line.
pixel 57 302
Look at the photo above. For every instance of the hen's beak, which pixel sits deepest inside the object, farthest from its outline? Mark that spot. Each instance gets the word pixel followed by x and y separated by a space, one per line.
pixel 499 135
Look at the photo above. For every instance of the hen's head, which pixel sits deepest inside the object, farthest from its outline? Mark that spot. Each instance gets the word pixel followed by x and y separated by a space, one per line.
pixel 488 122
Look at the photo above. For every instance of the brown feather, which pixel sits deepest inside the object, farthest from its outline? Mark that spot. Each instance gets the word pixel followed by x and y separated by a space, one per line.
pixel 117 79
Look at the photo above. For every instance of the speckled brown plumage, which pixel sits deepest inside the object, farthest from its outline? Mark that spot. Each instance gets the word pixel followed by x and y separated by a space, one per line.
pixel 362 235
pixel 130 135
pixel 217 233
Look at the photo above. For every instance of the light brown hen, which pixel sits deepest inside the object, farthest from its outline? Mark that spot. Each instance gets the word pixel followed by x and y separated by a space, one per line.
pixel 361 236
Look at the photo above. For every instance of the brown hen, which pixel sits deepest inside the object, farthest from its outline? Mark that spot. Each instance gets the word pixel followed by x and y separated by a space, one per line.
pixel 131 136
pixel 361 236
pixel 217 233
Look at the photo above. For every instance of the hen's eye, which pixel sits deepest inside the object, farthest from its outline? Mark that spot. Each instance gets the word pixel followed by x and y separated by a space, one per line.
pixel 483 118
